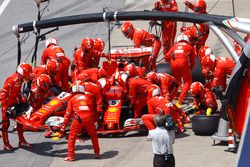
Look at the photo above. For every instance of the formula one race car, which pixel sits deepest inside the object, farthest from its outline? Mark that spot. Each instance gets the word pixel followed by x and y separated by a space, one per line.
pixel 117 118
pixel 46 117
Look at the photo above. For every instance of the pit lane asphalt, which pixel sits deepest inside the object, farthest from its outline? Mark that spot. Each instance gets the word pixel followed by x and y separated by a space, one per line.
pixel 131 150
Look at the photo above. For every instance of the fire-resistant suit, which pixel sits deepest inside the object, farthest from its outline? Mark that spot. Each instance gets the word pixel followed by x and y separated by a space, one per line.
pixel 10 95
pixel 159 104
pixel 169 85
pixel 57 53
pixel 224 67
pixel 82 106
pixel 168 27
pixel 182 60
pixel 138 94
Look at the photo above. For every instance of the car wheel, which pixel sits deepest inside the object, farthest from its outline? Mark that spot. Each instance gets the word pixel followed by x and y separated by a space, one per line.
pixel 164 68
pixel 205 125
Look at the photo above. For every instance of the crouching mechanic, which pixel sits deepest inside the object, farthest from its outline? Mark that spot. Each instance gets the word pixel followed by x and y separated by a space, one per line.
pixel 167 83
pixel 204 99
pixel 81 105
pixel 39 91
pixel 53 51
pixel 160 105
pixel 10 96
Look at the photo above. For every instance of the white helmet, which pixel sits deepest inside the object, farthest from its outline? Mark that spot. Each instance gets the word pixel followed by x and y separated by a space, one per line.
pixel 208 51
pixel 49 41
pixel 182 37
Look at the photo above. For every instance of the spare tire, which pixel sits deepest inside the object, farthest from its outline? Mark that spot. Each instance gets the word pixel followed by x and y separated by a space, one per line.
pixel 205 125
pixel 196 72
pixel 164 68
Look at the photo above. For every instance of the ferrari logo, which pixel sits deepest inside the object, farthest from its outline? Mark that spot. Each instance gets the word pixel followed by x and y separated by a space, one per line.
pixel 54 102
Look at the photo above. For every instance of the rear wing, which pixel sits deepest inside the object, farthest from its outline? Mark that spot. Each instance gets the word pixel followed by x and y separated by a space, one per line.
pixel 131 53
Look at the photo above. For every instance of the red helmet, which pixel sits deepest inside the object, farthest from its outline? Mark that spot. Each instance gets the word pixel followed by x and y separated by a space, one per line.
pixel 183 38
pixel 104 84
pixel 141 71
pixel 78 87
pixel 25 70
pixel 196 30
pixel 122 79
pixel 200 6
pixel 152 77
pixel 205 51
pixel 99 44
pixel 153 90
pixel 130 69
pixel 87 45
pixel 43 81
pixel 50 41
pixel 209 61
pixel 127 29
pixel 52 67
pixel 197 89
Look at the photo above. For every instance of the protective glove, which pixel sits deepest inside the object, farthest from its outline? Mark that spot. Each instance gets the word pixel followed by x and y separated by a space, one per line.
pixel 187 3
pixel 178 104
pixel 209 111
pixel 195 107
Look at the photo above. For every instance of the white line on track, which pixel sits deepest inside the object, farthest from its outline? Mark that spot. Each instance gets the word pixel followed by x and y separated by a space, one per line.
pixel 3 6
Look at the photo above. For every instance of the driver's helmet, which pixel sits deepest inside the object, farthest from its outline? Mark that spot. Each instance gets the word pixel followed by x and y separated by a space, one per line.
pixel 200 6
pixel 127 29
pixel 130 69
pixel 24 70
pixel 99 44
pixel 78 87
pixel 52 67
pixel 50 41
pixel 104 83
pixel 197 90
pixel 87 45
pixel 152 91
pixel 182 38
pixel 43 81
pixel 152 77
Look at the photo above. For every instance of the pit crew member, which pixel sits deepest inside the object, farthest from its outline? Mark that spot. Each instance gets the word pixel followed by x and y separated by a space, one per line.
pixel 11 95
pixel 182 60
pixel 140 38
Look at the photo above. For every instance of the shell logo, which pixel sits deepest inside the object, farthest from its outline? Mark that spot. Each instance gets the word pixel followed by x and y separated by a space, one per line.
pixel 42 111
pixel 112 109
pixel 83 103
pixel 54 102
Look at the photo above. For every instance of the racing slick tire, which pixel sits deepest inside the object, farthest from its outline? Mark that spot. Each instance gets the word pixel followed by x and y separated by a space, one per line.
pixel 164 68
pixel 196 72
pixel 205 125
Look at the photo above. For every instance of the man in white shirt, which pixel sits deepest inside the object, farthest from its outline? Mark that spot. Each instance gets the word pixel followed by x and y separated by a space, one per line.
pixel 162 143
